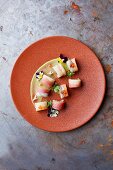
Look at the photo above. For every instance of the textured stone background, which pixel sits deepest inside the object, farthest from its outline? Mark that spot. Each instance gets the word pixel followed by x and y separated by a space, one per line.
pixel 23 147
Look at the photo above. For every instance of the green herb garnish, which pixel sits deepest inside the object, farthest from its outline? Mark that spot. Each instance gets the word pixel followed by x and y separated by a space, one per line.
pixel 56 88
pixel 70 74
pixel 65 66
pixel 49 104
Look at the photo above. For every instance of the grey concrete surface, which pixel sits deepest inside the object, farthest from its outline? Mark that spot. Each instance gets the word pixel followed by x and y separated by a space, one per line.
pixel 23 147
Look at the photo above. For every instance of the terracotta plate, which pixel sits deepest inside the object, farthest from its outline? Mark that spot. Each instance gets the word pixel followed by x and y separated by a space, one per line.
pixel 83 102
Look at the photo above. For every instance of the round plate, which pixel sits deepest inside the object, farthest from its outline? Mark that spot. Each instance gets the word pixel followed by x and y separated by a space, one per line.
pixel 83 102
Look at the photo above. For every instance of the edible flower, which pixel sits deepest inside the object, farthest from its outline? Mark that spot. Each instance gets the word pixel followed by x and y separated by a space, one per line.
pixel 39 75
pixel 59 60
pixel 52 112
pixel 63 58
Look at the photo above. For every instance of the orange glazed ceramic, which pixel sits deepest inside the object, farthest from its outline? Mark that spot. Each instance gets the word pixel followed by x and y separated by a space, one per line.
pixel 82 103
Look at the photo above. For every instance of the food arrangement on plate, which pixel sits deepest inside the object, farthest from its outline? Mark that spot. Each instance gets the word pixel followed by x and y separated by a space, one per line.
pixel 79 106
pixel 46 82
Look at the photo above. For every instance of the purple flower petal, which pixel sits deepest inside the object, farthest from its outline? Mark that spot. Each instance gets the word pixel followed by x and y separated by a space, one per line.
pixel 64 59
pixel 38 73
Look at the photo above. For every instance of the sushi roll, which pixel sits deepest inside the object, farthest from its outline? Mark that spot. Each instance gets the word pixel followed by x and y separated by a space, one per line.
pixel 72 65
pixel 47 81
pixel 74 83
pixel 42 92
pixel 63 91
pixel 74 61
pixel 58 105
pixel 60 71
pixel 41 106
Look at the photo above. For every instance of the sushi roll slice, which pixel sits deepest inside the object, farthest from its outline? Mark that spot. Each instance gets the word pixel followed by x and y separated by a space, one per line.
pixel 72 65
pixel 58 105
pixel 47 81
pixel 42 92
pixel 74 61
pixel 39 106
pixel 60 71
pixel 63 91
pixel 74 83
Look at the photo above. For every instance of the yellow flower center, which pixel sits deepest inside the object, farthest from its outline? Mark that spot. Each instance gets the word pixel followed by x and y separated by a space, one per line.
pixel 59 60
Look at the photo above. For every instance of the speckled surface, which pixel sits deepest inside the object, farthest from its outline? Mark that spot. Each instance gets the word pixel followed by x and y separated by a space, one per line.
pixel 23 147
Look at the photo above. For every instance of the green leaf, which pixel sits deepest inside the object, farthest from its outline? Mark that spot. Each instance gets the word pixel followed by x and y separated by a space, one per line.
pixel 70 74
pixel 65 66
pixel 56 88
pixel 49 104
